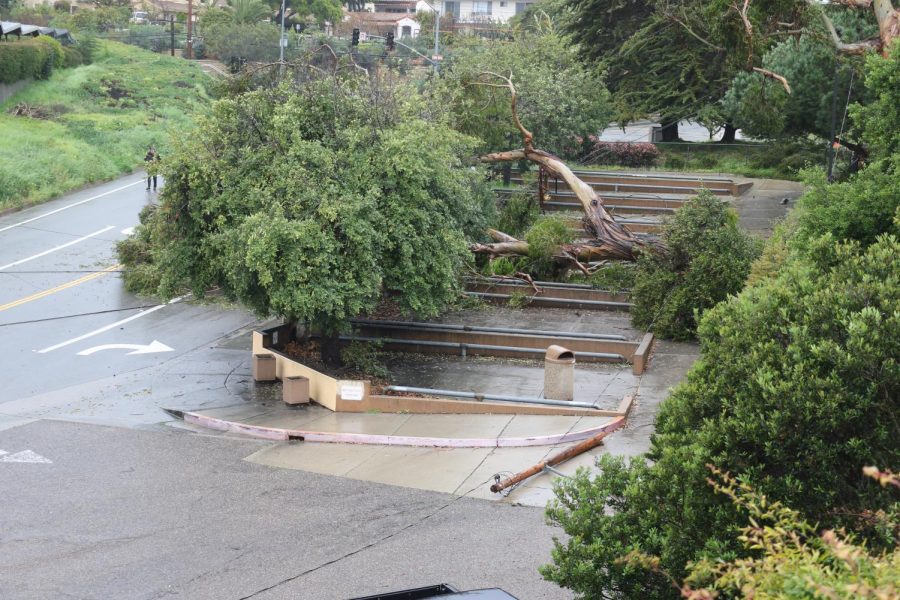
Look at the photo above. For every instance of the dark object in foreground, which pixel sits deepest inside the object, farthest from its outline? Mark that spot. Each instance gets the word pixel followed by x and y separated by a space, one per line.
pixel 441 591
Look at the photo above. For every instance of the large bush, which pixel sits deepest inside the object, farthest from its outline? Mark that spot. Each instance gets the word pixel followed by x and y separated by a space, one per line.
pixel 312 202
pixel 707 257
pixel 797 385
pixel 25 59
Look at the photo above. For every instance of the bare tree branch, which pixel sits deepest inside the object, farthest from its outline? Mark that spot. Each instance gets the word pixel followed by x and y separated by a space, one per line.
pixel 780 78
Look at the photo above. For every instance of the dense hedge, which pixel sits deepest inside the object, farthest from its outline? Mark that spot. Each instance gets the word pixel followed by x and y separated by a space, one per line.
pixel 708 257
pixel 30 58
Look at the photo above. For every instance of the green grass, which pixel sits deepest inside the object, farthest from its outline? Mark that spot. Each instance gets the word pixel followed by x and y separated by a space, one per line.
pixel 93 133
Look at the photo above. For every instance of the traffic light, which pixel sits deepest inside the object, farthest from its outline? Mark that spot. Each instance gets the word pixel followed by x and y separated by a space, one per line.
pixel 355 40
pixel 389 41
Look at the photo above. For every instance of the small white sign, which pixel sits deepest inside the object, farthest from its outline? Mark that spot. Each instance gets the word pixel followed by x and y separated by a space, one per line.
pixel 352 390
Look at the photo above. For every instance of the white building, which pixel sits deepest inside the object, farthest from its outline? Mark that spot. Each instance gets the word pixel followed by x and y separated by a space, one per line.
pixel 483 11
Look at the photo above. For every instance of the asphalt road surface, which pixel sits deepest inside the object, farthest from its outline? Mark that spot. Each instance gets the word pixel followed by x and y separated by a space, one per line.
pixel 148 511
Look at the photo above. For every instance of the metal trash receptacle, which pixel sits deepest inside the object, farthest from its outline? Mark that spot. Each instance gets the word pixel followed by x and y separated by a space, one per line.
pixel 295 390
pixel 264 367
pixel 559 373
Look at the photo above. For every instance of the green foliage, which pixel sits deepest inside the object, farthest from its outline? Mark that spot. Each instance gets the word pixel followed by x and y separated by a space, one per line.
pixel 860 209
pixel 321 11
pixel 247 12
pixel 546 236
pixel 33 58
pixel 614 276
pixel 102 118
pixel 74 58
pixel 314 202
pixel 707 258
pixel 89 47
pixel 517 213
pixel 256 42
pixel 365 358
pixel 559 98
pixel 878 119
pixel 762 108
pixel 790 559
pixel 155 38
pixel 544 239
pixel 796 380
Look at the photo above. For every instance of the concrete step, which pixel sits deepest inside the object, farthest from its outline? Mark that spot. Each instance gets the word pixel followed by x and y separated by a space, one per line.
pixel 657 180
pixel 509 343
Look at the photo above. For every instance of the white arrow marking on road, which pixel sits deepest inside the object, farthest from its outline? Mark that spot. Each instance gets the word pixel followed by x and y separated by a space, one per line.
pixel 154 346
pixel 60 247
pixel 25 456
pixel 143 313
pixel 128 231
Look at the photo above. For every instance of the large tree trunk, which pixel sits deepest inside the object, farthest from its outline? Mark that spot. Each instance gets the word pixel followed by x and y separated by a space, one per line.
pixel 609 238
pixel 728 134
pixel 669 130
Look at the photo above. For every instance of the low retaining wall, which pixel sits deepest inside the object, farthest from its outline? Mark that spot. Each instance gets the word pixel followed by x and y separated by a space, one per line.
pixel 356 395
pixel 8 90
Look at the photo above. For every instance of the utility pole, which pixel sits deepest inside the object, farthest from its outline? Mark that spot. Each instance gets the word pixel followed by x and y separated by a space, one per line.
pixel 190 30
pixel 281 41
pixel 172 35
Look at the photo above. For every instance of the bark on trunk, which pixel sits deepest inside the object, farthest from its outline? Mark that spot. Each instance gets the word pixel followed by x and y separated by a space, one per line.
pixel 330 349
pixel 670 131
pixel 728 134
pixel 610 239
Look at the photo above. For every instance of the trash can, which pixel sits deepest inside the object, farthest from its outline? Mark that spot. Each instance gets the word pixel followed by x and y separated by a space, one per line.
pixel 295 390
pixel 263 367
pixel 559 373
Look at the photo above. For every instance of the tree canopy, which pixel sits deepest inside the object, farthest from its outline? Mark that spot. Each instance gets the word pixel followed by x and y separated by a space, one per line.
pixel 795 389
pixel 315 202
pixel 559 97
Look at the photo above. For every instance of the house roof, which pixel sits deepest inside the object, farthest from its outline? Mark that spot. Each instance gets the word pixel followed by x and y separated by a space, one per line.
pixel 384 17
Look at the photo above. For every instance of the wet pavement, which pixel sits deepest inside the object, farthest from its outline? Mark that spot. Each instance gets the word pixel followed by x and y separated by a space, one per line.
pixel 69 329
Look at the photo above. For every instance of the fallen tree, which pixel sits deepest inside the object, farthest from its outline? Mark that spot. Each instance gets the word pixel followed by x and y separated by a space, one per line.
pixel 608 239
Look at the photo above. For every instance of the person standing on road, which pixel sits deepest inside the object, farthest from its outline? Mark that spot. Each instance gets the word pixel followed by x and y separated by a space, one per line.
pixel 152 160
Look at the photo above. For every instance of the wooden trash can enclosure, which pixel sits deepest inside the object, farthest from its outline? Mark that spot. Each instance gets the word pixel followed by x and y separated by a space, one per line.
pixel 264 367
pixel 295 390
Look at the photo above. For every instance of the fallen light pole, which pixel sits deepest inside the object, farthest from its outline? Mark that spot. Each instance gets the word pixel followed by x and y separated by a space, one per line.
pixel 559 457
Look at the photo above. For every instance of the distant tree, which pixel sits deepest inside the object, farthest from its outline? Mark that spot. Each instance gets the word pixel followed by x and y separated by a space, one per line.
pixel 678 59
pixel 558 97
pixel 245 12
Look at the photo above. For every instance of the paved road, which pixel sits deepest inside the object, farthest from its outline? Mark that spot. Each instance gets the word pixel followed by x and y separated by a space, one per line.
pixel 60 295
pixel 120 512
pixel 135 514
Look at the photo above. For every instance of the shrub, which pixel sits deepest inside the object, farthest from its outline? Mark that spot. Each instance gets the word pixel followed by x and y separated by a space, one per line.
pixel 797 385
pixel 73 57
pixel 154 38
pixel 624 154
pixel 517 213
pixel 707 258
pixel 860 209
pixel 30 58
pixel 89 47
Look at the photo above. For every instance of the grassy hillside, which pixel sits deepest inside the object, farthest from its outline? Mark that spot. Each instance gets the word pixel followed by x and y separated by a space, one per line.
pixel 94 122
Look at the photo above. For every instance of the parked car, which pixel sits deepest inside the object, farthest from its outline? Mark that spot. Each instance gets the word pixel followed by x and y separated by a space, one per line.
pixel 139 17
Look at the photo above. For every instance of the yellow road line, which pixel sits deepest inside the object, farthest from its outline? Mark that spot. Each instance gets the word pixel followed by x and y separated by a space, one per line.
pixel 59 288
